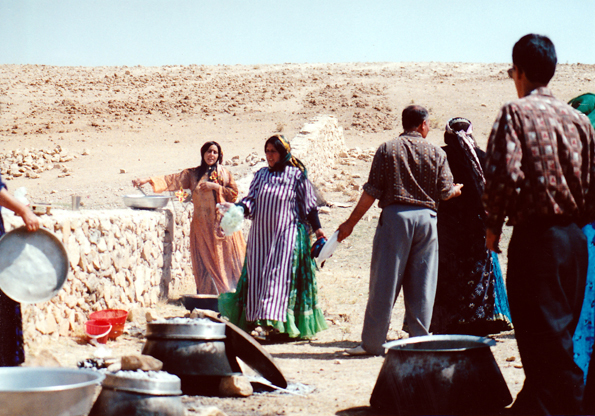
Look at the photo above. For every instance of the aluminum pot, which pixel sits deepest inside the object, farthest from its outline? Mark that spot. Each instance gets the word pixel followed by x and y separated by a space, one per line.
pixel 440 374
pixel 123 396
pixel 194 352
pixel 47 391
pixel 146 201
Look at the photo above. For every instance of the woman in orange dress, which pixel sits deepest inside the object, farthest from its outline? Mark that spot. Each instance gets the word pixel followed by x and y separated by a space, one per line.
pixel 217 260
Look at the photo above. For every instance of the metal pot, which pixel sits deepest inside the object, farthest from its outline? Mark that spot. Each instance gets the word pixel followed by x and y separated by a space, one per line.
pixel 194 352
pixel 146 201
pixel 47 391
pixel 440 374
pixel 122 396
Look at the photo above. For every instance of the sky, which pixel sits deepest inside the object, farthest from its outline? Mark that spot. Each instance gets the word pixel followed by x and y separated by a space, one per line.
pixel 229 32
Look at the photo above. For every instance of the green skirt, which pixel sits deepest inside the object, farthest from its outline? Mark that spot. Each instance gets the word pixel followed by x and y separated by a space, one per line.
pixel 304 318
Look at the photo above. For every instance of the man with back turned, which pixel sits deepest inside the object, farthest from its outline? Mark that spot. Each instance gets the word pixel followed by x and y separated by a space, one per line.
pixel 540 174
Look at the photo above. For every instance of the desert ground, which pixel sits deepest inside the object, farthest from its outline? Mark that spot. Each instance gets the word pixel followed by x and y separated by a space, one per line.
pixel 119 123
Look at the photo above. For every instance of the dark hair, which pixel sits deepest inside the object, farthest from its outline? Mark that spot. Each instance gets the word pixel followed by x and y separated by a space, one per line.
pixel 535 55
pixel 200 170
pixel 413 116
pixel 275 141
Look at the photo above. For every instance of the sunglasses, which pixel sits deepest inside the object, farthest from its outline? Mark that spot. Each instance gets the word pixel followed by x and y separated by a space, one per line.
pixel 510 71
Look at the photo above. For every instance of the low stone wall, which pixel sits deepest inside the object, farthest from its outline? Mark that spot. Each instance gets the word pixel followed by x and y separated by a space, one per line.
pixel 318 145
pixel 119 259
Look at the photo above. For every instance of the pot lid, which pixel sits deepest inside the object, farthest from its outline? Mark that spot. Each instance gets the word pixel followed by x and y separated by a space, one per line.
pixel 436 343
pixel 186 328
pixel 157 383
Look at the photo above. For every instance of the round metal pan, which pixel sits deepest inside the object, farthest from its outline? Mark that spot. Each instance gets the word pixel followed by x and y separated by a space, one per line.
pixel 146 201
pixel 33 265
pixel 153 386
pixel 208 330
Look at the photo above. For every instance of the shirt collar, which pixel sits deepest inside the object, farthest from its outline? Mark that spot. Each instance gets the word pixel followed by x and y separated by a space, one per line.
pixel 542 91
pixel 415 134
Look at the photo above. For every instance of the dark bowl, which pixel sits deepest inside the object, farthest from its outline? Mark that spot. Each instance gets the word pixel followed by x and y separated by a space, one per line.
pixel 209 302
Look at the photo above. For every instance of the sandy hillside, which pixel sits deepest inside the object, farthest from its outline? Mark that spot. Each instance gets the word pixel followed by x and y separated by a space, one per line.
pixel 109 125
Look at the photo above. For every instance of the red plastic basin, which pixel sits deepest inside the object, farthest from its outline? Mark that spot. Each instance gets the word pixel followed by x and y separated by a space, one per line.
pixel 115 317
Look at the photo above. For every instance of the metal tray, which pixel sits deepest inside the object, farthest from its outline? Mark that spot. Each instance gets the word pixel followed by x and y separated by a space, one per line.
pixel 33 265
pixel 146 201
pixel 208 330
pixel 150 386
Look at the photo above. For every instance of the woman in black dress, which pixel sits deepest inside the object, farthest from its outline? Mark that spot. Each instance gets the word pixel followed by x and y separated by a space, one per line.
pixel 470 297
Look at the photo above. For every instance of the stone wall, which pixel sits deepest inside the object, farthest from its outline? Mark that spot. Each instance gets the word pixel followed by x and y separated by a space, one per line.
pixel 119 259
pixel 318 145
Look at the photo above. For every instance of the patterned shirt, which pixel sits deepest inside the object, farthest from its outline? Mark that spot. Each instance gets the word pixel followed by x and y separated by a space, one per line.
pixel 409 170
pixel 540 163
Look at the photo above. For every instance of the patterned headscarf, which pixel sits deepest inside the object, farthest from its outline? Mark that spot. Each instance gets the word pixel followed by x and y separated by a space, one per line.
pixel 289 158
pixel 467 143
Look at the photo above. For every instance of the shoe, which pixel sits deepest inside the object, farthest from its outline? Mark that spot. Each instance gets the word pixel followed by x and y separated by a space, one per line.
pixel 357 351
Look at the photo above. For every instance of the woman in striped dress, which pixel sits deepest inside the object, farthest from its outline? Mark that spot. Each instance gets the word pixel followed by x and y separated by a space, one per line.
pixel 277 290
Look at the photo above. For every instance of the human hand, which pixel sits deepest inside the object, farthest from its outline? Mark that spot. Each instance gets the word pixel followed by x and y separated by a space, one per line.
pixel 223 207
pixel 345 231
pixel 319 234
pixel 139 182
pixel 208 186
pixel 30 219
pixel 493 241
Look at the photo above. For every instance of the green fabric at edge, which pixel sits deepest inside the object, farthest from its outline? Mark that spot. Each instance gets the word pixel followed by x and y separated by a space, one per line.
pixel 304 318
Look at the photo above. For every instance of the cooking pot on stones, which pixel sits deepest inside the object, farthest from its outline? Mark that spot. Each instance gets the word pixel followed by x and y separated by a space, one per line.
pixel 440 374
pixel 155 395
pixel 192 349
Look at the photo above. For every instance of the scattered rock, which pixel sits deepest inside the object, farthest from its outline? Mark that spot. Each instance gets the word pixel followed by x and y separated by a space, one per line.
pixel 141 362
pixel 235 386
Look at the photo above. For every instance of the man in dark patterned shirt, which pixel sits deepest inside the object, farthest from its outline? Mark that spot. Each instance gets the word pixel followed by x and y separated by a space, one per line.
pixel 409 176
pixel 540 174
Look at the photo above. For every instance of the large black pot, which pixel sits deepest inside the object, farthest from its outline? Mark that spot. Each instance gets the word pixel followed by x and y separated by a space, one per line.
pixel 440 375
pixel 194 352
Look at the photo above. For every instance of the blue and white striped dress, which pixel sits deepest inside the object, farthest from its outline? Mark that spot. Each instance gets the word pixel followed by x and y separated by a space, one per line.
pixel 276 201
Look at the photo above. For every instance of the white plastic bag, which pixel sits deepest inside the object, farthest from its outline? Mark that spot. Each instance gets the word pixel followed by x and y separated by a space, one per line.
pixel 233 218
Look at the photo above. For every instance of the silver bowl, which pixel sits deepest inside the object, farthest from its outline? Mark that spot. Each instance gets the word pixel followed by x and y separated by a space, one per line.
pixel 47 391
pixel 33 265
pixel 146 201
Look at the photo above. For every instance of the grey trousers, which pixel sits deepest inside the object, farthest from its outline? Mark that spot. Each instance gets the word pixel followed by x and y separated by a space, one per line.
pixel 404 253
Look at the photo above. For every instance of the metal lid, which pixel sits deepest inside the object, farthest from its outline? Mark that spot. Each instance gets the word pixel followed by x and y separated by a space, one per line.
pixel 436 343
pixel 154 383
pixel 186 328
pixel 33 265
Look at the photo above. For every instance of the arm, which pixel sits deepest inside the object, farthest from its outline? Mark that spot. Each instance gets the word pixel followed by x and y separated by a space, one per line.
pixel 363 205
pixel 314 221
pixel 173 182
pixel 13 204
pixel 503 173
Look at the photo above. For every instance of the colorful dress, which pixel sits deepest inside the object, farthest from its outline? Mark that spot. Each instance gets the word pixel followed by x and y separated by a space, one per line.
pixel 12 352
pixel 470 296
pixel 277 288
pixel 584 335
pixel 216 259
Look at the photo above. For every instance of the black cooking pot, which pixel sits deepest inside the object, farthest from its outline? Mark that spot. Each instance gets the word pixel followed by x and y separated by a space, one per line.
pixel 195 352
pixel 440 375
